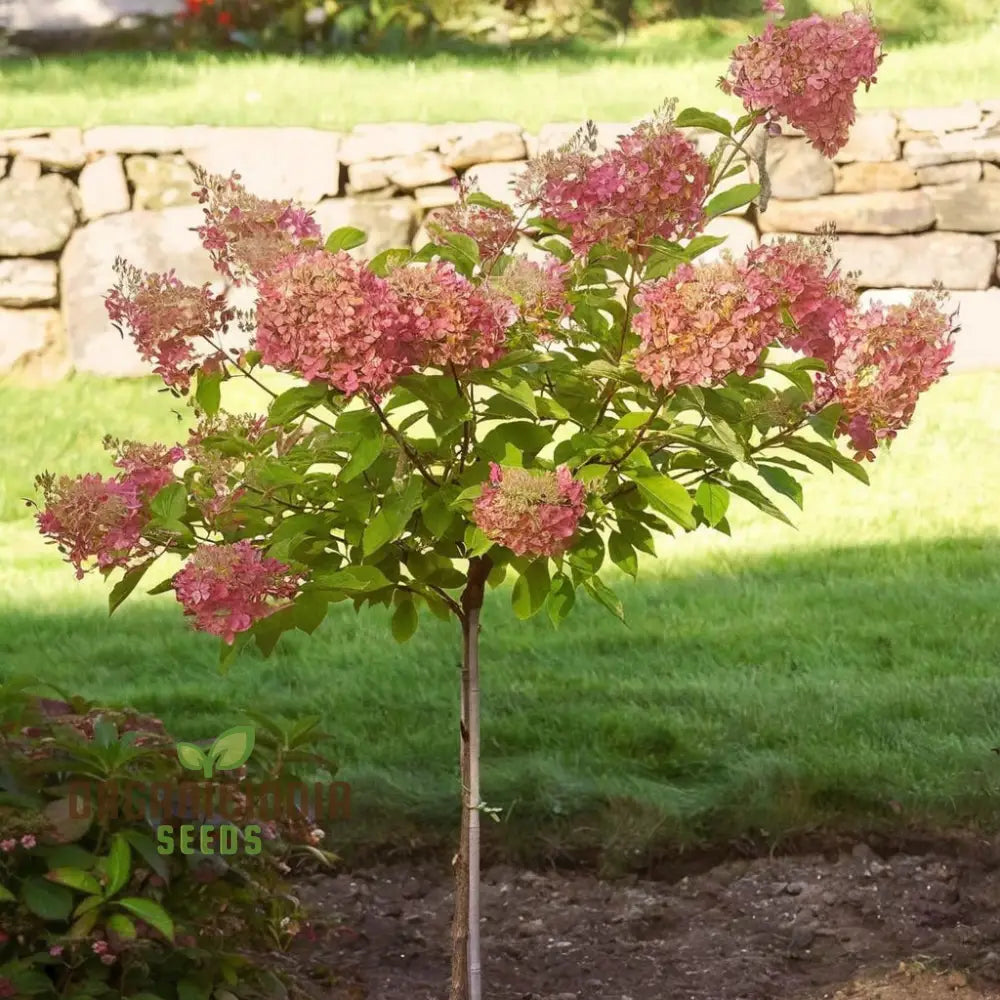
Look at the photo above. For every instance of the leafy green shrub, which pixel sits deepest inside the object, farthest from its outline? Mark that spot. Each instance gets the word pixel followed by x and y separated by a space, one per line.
pixel 90 905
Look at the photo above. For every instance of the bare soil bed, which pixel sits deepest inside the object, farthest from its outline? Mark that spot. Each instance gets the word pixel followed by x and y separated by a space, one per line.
pixel 852 923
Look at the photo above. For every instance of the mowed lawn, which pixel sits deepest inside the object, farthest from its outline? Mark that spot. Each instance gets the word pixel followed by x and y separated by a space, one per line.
pixel 845 675
pixel 610 81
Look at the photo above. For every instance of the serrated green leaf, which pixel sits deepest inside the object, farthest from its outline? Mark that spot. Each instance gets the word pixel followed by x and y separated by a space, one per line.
pixel 170 503
pixel 119 864
pixel 663 493
pixel 696 118
pixel 405 620
pixel 734 197
pixel 363 455
pixel 531 589
pixel 752 494
pixel 121 590
pixel 208 394
pixel 713 500
pixel 562 597
pixel 46 899
pixel 345 238
pixel 294 402
pixel 622 554
pixel 519 393
pixel 603 594
pixel 782 482
pixel 359 579
pixel 122 926
pixel 151 912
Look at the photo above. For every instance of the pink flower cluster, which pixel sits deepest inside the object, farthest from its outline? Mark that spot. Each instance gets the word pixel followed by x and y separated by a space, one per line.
pixel 651 184
pixel 226 588
pixel 807 72
pixel 248 236
pixel 775 7
pixel 171 324
pixel 890 355
pixel 531 513
pixel 538 291
pixel 326 316
pixel 447 319
pixel 93 518
pixel 493 227
pixel 812 290
pixel 703 323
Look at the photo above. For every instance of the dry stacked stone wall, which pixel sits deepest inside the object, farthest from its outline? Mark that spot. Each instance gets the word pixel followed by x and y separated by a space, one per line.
pixel 915 197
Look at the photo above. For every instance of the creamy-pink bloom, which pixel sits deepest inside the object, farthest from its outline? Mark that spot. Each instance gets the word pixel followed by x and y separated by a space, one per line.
pixel 807 72
pixel 226 588
pixel 531 513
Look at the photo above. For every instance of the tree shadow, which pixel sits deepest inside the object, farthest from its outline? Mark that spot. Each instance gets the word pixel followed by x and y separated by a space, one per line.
pixel 850 688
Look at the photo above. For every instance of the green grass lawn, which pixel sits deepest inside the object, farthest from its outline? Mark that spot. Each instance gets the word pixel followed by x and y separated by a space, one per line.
pixel 608 82
pixel 843 675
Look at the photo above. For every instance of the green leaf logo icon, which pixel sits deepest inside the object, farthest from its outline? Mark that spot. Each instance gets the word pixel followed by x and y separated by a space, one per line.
pixel 193 758
pixel 233 748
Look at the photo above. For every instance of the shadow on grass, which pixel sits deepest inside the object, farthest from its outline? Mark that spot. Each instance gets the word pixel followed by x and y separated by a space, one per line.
pixel 763 697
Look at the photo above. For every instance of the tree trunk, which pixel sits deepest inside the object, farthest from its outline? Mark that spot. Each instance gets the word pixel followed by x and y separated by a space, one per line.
pixel 466 962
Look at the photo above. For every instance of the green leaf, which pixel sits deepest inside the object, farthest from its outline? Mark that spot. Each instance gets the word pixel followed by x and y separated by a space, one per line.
pixel 476 542
pixel 405 620
pixel 728 439
pixel 436 514
pixel 119 864
pixel 520 393
pixel 363 456
pixel 713 500
pixel 209 392
pixel 734 197
pixel 74 878
pixel 353 579
pixel 126 585
pixel 782 482
pixel 191 756
pixel 47 900
pixel 152 913
pixel 163 587
pixel 88 904
pixel 633 421
pixel 388 260
pixel 696 118
pixel 664 494
pixel 702 244
pixel 84 924
pixel 145 847
pixel 6 896
pixel 562 596
pixel 381 529
pixel 345 238
pixel 531 589
pixel 233 748
pixel 484 200
pixel 751 494
pixel 294 402
pixel 188 989
pixel 828 455
pixel 122 926
pixel 623 555
pixel 603 594
pixel 170 503
pixel 466 247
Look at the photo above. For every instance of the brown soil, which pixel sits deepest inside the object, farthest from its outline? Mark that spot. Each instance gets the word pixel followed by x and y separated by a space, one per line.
pixel 853 924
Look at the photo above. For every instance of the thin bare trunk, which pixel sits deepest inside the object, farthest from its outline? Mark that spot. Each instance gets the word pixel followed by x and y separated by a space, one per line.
pixel 475 954
pixel 466 960
pixel 460 918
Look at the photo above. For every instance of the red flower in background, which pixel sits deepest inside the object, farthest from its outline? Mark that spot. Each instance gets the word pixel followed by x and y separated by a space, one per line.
pixel 224 19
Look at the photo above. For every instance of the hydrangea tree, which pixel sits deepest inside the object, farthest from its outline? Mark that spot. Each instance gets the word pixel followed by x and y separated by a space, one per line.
pixel 529 397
